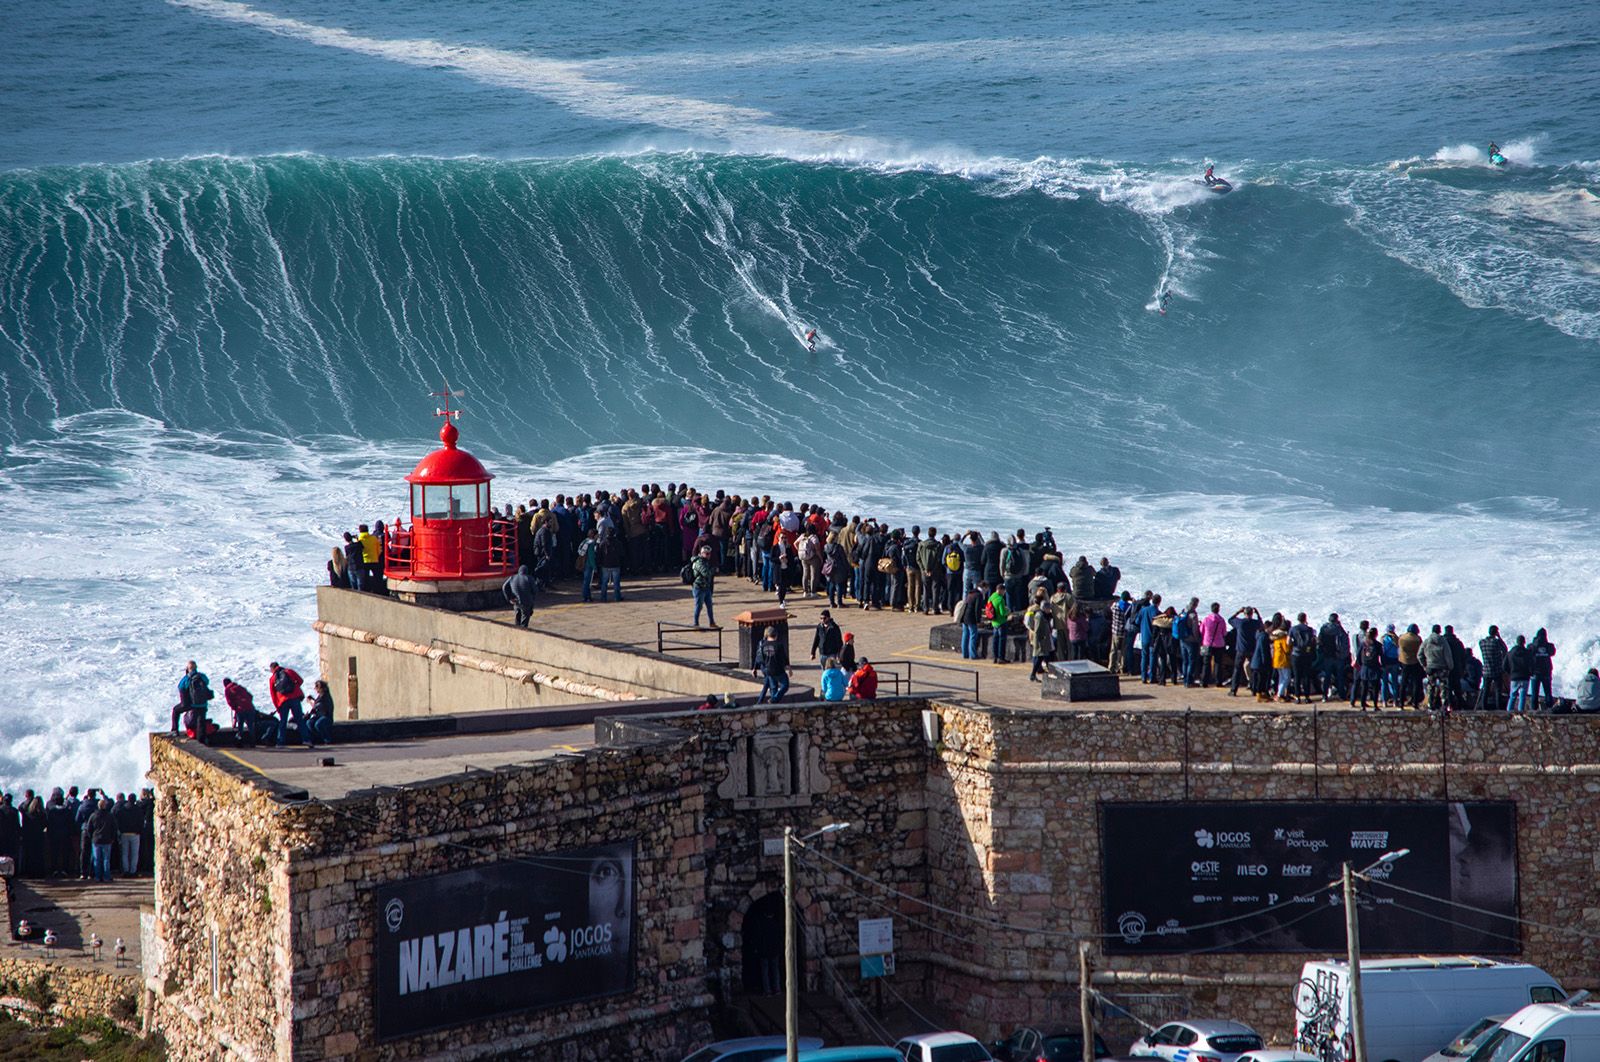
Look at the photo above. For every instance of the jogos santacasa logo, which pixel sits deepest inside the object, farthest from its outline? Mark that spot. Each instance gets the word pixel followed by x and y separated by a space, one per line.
pixel 1222 838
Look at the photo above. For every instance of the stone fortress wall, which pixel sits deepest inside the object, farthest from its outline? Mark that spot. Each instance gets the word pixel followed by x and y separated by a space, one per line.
pixel 991 812
pixel 409 661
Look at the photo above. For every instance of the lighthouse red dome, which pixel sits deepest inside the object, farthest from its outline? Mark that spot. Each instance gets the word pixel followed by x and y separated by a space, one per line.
pixel 449 465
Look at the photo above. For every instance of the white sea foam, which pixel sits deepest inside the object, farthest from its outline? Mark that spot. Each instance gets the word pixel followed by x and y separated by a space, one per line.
pixel 210 548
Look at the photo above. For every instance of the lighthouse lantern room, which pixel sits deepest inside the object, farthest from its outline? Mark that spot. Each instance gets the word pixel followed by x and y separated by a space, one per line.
pixel 456 551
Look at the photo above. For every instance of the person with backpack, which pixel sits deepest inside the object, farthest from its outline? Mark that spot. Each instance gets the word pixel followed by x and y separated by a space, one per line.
pixel 772 667
pixel 288 696
pixel 1040 622
pixel 609 554
pixel 589 561
pixel 995 614
pixel 194 693
pixel 1014 565
pixel 836 568
pixel 809 550
pixel 1303 658
pixel 1542 666
pixel 702 583
pixel 1369 670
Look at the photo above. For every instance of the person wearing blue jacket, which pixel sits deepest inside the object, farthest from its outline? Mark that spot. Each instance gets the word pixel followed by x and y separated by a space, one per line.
pixel 834 680
pixel 1147 640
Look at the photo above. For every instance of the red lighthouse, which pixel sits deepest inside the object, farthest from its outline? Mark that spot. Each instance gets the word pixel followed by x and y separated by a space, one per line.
pixel 456 552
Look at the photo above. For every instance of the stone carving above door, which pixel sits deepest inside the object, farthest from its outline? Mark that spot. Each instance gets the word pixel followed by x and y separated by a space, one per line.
pixel 773 768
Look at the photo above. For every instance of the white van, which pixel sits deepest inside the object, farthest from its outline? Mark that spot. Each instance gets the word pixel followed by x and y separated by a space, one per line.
pixel 1413 1006
pixel 1545 1032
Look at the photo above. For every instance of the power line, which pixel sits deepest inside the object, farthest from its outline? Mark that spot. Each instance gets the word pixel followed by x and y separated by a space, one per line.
pixel 1486 911
pixel 1066 934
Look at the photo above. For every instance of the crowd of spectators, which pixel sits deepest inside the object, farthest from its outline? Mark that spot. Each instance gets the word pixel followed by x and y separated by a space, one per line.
pixel 996 586
pixel 89 837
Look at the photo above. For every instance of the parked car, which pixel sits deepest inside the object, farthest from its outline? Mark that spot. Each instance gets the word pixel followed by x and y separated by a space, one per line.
pixel 1278 1054
pixel 1052 1044
pixel 942 1047
pixel 1468 1040
pixel 1198 1041
pixel 749 1049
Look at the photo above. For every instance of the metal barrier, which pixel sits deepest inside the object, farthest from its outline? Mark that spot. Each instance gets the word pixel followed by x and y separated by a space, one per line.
pixel 888 671
pixel 663 628
pixel 459 551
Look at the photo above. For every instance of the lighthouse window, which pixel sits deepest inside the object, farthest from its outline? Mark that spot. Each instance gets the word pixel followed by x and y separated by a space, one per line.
pixel 436 503
pixel 483 499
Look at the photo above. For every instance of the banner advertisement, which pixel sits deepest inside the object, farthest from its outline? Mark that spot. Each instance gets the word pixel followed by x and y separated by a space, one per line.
pixel 1191 877
pixel 545 930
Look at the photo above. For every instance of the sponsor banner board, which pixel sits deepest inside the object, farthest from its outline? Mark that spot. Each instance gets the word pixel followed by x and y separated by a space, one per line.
pixel 1251 877
pixel 540 931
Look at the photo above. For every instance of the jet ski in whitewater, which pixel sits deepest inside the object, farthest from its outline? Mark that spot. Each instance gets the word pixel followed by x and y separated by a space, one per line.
pixel 1216 184
pixel 1496 156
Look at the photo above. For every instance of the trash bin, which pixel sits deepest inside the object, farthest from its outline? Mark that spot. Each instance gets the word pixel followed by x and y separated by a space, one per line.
pixel 753 629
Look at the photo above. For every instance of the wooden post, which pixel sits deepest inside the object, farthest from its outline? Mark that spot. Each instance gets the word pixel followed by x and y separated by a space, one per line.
pixel 352 693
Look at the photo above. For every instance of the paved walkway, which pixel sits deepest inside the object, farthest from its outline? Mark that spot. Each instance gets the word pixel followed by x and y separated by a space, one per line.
pixel 75 910
pixel 897 640
pixel 375 764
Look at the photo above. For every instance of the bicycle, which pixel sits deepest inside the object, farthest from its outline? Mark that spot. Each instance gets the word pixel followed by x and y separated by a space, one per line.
pixel 1321 1012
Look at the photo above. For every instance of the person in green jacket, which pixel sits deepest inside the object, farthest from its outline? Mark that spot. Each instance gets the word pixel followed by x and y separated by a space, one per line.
pixel 996 613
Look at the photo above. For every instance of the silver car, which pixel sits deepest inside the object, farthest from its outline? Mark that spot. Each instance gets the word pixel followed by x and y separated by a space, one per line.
pixel 1198 1041
pixel 749 1049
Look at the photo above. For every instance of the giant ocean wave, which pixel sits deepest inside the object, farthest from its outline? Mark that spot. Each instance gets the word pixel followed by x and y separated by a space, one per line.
pixel 1371 391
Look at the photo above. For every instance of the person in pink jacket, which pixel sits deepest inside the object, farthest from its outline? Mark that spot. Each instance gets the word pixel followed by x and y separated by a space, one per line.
pixel 1213 640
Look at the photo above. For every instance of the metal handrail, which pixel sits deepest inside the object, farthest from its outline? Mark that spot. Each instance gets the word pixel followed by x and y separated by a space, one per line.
pixel 895 677
pixel 664 627
pixel 493 551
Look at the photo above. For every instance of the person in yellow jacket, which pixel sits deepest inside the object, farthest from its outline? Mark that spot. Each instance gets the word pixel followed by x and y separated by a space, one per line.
pixel 1280 661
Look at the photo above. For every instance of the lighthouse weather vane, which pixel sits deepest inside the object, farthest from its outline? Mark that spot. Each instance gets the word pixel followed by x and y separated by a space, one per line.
pixel 446 412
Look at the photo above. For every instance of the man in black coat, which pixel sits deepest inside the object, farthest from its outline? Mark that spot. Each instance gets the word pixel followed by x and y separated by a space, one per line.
pixel 828 639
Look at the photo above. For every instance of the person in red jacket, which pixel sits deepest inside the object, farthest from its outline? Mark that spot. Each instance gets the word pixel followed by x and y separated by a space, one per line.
pixel 864 683
pixel 288 697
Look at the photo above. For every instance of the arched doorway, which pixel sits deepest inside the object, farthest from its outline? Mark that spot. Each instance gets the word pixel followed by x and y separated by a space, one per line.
pixel 763 946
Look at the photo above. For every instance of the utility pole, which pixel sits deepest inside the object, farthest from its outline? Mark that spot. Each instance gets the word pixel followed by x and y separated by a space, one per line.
pixel 1352 937
pixel 791 944
pixel 791 990
pixel 1085 994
